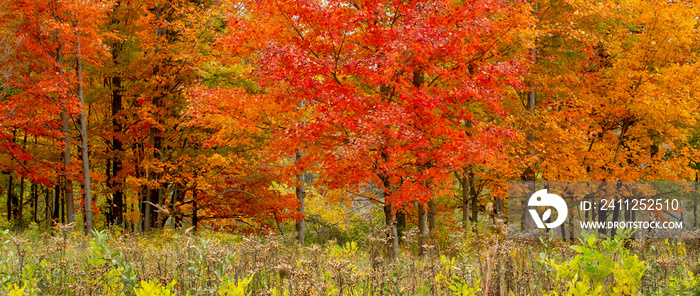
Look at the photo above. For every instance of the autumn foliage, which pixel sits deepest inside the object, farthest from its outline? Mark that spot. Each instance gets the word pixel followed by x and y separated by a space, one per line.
pixel 233 114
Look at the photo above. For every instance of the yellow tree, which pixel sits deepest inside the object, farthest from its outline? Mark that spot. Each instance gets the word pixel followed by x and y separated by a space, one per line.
pixel 613 91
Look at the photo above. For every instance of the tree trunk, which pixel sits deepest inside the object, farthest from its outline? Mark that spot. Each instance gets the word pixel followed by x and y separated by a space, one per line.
pixel 116 207
pixel 195 217
pixel 500 212
pixel 400 223
pixel 20 212
pixel 602 216
pixel 68 183
pixel 172 193
pixel 615 217
pixel 474 208
pixel 466 197
pixel 47 202
pixel 56 213
pixel 35 201
pixel 20 208
pixel 154 195
pixel 390 222
pixel 10 198
pixel 422 228
pixel 84 142
pixel 393 235
pixel 432 212
pixel 301 196
pixel 63 209
pixel 146 209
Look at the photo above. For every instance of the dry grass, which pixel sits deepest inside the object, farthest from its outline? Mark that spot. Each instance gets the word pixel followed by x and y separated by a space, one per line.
pixel 66 262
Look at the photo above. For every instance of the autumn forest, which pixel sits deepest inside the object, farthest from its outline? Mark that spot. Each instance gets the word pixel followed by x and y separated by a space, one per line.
pixel 314 121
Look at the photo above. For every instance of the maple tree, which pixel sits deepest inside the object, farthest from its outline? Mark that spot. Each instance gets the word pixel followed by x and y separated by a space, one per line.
pixel 385 89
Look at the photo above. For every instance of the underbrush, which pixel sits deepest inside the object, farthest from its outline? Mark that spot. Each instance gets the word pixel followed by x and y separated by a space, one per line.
pixel 63 261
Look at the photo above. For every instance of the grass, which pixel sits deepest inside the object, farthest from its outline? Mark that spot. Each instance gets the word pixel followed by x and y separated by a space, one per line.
pixel 63 261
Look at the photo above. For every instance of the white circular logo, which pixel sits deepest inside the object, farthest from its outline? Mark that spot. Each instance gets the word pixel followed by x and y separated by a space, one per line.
pixel 542 198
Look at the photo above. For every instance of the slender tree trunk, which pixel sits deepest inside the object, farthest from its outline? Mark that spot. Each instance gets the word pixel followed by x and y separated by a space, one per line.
pixel 63 208
pixel 695 203
pixel 474 208
pixel 390 221
pixel 56 213
pixel 68 183
pixel 695 213
pixel 400 223
pixel 466 197
pixel 422 228
pixel 301 198
pixel 20 208
pixel 615 217
pixel 154 195
pixel 500 211
pixel 146 209
pixel 602 216
pixel 47 202
pixel 173 202
pixel 116 208
pixel 195 217
pixel 432 212
pixel 562 228
pixel 35 201
pixel 84 142
pixel 393 235
pixel 20 211
pixel 35 193
pixel 109 199
pixel 529 174
pixel 10 197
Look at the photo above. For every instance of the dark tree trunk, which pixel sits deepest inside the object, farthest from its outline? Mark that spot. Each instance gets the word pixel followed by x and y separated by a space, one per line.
pixel 301 199
pixel 154 195
pixel 68 183
pixel 109 200
pixel 20 209
pixel 432 212
pixel 173 200
pixel 195 217
pixel 615 216
pixel 56 212
pixel 422 228
pixel 116 207
pixel 475 210
pixel 146 209
pixel 392 236
pixel 47 202
pixel 63 208
pixel 390 222
pixel 35 201
pixel 10 198
pixel 500 212
pixel 602 216
pixel 400 223
pixel 562 228
pixel 466 197
pixel 87 183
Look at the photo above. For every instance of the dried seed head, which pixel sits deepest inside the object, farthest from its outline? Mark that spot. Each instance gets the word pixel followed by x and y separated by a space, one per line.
pixel 283 270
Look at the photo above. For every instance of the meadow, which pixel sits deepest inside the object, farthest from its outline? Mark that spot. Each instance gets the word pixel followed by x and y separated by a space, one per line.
pixel 64 261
